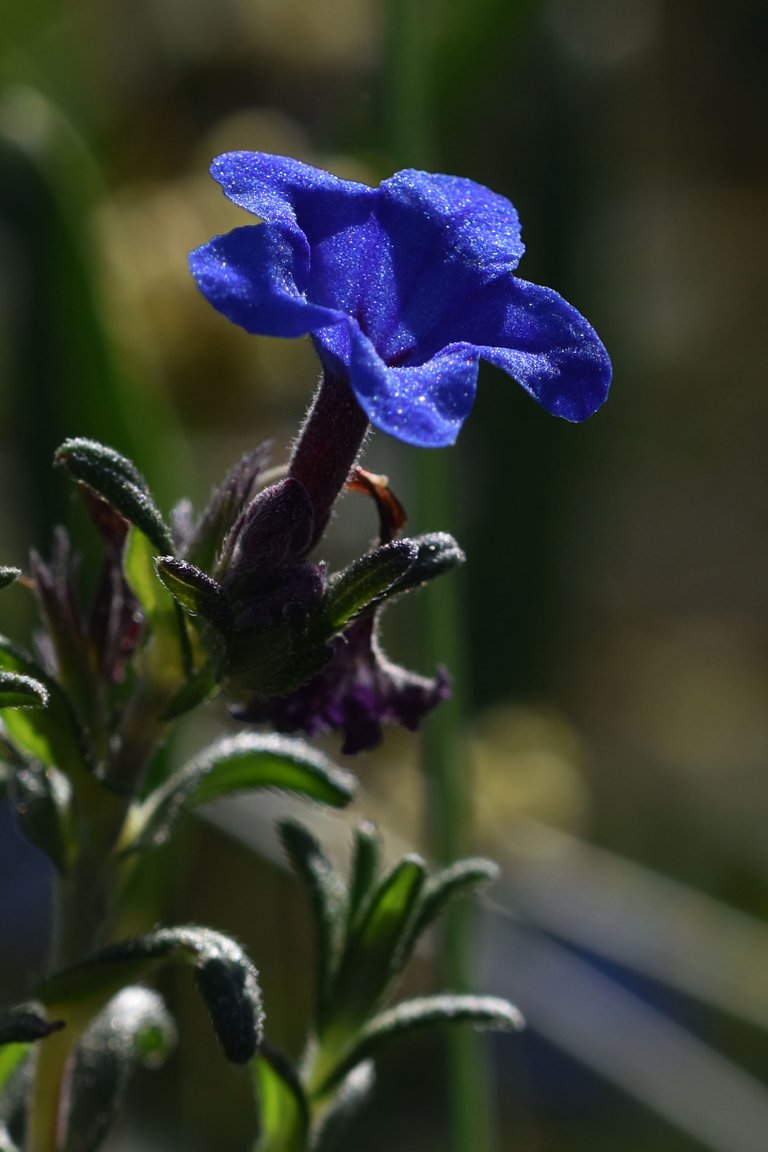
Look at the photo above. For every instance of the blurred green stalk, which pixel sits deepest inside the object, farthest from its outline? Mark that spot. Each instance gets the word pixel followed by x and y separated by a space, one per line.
pixel 410 114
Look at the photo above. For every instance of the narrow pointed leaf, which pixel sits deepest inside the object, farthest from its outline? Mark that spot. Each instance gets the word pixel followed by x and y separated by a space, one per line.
pixel 363 871
pixel 226 978
pixel 237 764
pixel 370 959
pixel 366 581
pixel 51 734
pixel 197 593
pixel 17 691
pixel 117 481
pixel 426 1012
pixel 283 1107
pixel 43 800
pixel 440 890
pixel 133 1030
pixel 8 575
pixel 139 568
pixel 436 553
pixel 327 900
pixel 26 1023
pixel 169 632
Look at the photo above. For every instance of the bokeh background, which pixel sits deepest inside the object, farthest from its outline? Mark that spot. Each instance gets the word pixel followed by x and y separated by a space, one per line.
pixel 614 611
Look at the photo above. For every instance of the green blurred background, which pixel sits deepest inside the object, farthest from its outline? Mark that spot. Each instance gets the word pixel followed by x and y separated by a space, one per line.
pixel 616 597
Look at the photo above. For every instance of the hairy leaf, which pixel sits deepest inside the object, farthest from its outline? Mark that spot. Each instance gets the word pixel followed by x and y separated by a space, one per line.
pixel 132 1030
pixel 327 899
pixel 226 978
pixel 51 734
pixel 237 764
pixel 366 581
pixel 442 888
pixel 8 575
pixel 366 852
pixel 370 959
pixel 43 800
pixel 17 691
pixel 425 1012
pixel 25 1023
pixel 197 593
pixel 117 481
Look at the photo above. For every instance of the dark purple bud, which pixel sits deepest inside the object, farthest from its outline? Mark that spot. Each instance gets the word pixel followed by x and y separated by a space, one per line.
pixel 275 529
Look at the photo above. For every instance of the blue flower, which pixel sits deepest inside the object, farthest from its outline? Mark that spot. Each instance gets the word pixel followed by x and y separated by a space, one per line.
pixel 403 288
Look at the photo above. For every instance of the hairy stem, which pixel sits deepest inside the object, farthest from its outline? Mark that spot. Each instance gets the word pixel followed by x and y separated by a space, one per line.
pixel 328 446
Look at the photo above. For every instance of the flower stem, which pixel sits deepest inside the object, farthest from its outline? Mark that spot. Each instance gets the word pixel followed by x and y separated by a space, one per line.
pixel 328 446
pixel 44 1115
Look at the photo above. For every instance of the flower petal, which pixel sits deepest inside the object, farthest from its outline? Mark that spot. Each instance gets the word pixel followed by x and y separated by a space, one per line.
pixel 475 226
pixel 255 277
pixel 540 340
pixel 331 221
pixel 283 191
pixel 423 404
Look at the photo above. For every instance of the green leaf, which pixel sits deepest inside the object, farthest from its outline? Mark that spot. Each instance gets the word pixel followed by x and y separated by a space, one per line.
pixel 370 960
pixel 366 852
pixel 348 1099
pixel 283 1108
pixel 43 800
pixel 17 691
pixel 225 976
pixel 133 1030
pixel 366 582
pixel 25 1023
pixel 118 481
pixel 414 1015
pixel 11 1057
pixel 328 902
pixel 389 571
pixel 436 553
pixel 442 888
pixel 169 646
pixel 16 1070
pixel 8 575
pixel 51 734
pixel 197 593
pixel 236 764
pixel 139 569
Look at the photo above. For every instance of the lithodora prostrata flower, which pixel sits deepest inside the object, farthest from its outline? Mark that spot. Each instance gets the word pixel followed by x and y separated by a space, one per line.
pixel 403 288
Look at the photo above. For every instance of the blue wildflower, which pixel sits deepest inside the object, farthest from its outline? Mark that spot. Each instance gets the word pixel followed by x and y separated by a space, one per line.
pixel 403 288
